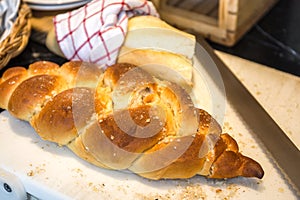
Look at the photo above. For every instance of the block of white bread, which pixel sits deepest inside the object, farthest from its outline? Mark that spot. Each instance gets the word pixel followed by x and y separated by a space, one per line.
pixel 153 33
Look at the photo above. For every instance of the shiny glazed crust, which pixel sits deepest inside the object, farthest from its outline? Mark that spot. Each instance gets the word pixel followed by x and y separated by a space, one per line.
pixel 123 118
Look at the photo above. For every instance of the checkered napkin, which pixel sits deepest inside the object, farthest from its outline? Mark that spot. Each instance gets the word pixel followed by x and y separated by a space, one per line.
pixel 95 32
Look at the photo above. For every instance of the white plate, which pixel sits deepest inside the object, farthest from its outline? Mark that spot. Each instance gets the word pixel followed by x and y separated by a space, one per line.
pixel 52 7
pixel 57 2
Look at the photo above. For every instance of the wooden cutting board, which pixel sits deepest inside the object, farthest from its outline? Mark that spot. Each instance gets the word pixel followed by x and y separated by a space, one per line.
pixel 51 172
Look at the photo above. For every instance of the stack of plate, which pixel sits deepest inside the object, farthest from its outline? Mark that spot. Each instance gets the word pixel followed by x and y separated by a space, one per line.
pixel 51 5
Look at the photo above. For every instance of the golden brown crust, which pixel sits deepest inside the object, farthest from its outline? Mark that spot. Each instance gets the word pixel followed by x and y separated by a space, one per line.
pixel 11 78
pixel 230 163
pixel 83 74
pixel 172 158
pixel 43 67
pixel 116 146
pixel 81 151
pixel 123 118
pixel 115 72
pixel 69 70
pixel 14 71
pixel 61 119
pixel 7 87
pixel 31 94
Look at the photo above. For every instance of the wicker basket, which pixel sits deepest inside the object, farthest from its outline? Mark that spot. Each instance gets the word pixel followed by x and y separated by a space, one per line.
pixel 15 43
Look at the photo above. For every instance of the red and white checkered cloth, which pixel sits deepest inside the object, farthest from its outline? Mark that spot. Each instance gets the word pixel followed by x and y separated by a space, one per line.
pixel 95 32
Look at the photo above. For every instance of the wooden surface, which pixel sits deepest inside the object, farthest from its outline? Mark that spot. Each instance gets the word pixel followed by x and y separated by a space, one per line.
pixel 276 91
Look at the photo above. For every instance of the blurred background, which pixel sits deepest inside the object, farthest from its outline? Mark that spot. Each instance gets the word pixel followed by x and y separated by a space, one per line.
pixel 272 41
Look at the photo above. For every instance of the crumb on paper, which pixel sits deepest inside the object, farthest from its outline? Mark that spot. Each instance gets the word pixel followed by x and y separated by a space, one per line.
pixel 122 189
pixel 233 189
pixel 97 187
pixel 36 170
pixel 218 190
pixel 193 191
pixel 281 190
pixel 227 126
pixel 79 172
pixel 30 173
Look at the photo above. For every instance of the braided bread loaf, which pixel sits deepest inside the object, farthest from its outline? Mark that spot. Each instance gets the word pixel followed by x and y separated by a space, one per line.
pixel 123 118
